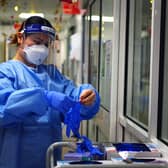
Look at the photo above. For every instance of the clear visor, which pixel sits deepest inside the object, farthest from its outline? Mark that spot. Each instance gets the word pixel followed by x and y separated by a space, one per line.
pixel 51 58
pixel 34 31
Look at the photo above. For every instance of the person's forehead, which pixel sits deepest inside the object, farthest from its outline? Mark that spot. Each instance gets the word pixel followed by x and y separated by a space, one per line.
pixel 39 35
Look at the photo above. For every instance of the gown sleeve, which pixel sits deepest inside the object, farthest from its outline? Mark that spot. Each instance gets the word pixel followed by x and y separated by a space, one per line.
pixel 87 112
pixel 16 105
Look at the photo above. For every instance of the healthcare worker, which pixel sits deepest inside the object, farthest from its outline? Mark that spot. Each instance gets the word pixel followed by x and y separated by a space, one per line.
pixel 34 98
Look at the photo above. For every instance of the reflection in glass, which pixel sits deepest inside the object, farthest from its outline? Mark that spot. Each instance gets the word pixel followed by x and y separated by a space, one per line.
pixel 139 61
pixel 94 44
pixel 91 55
pixel 106 53
pixel 85 47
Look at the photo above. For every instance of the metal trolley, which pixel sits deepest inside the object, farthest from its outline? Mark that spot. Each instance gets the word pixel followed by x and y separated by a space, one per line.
pixel 50 152
pixel 104 163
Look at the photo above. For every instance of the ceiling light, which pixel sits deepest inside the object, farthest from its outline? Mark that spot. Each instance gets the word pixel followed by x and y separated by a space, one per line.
pixel 108 19
pixel 104 18
pixel 16 8
pixel 27 15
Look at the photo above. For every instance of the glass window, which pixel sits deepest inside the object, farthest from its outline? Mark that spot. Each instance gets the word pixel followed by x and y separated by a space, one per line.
pixel 164 119
pixel 138 57
pixel 94 43
pixel 92 40
pixel 106 53
pixel 85 47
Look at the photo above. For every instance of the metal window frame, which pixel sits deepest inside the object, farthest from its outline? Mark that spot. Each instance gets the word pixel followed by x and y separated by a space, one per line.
pixel 125 125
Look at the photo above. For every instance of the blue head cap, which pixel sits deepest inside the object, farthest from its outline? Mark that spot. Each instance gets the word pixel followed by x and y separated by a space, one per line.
pixel 38 28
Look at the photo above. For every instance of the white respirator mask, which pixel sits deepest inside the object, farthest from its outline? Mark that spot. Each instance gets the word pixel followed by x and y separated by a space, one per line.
pixel 36 54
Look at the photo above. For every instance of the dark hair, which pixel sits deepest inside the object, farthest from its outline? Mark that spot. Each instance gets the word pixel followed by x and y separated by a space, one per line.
pixel 29 21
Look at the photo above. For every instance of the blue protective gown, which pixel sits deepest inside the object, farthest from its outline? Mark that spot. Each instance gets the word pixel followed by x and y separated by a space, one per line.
pixel 27 124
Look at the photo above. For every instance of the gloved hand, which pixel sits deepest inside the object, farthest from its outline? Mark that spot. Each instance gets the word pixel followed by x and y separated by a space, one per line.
pixel 59 101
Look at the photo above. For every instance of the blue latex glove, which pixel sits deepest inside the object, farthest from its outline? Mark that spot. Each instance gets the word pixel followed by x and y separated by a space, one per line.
pixel 72 120
pixel 86 146
pixel 59 101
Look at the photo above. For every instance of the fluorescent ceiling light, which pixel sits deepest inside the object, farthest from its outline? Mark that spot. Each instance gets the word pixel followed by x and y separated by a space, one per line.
pixel 104 18
pixel 27 15
pixel 108 19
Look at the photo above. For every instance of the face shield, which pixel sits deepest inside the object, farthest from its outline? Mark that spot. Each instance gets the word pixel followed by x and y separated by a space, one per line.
pixel 44 49
pixel 52 53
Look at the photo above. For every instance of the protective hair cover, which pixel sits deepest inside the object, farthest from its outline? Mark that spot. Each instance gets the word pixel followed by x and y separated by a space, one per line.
pixel 38 28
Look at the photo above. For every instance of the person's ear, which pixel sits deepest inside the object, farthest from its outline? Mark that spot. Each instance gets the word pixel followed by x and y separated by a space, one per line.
pixel 19 38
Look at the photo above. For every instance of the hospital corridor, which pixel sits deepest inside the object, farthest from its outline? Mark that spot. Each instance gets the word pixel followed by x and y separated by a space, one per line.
pixel 83 83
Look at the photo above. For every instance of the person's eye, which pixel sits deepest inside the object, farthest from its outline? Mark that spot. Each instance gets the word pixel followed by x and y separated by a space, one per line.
pixel 37 42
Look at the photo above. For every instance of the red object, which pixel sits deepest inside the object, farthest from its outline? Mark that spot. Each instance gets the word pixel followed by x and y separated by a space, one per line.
pixel 16 26
pixel 68 1
pixel 71 8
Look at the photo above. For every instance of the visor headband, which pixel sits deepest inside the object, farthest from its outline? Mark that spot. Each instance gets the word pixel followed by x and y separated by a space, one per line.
pixel 37 28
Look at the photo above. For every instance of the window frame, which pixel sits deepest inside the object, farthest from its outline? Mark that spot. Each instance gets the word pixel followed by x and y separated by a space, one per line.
pixel 164 6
